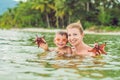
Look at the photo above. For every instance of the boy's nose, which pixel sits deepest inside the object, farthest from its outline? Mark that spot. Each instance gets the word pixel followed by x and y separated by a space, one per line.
pixel 61 41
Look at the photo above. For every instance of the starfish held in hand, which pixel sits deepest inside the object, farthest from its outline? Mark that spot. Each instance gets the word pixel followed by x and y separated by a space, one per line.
pixel 39 40
pixel 98 49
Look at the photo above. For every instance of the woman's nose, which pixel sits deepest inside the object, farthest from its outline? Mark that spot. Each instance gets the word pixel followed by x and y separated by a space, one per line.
pixel 71 37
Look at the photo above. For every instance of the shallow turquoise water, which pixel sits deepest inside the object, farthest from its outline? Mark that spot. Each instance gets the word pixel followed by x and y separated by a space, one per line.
pixel 19 60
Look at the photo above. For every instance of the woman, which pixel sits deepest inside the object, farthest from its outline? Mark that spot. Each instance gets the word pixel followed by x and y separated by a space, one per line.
pixel 75 38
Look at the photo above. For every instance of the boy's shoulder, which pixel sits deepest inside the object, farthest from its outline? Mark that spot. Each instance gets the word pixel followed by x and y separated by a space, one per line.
pixel 67 47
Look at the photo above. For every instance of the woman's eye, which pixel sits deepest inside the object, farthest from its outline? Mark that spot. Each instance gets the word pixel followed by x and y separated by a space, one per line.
pixel 69 35
pixel 74 34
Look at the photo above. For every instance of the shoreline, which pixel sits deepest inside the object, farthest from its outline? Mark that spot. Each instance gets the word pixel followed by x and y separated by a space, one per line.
pixel 56 30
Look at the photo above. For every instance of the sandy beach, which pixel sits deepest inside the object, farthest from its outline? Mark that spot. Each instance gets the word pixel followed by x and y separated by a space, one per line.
pixel 56 30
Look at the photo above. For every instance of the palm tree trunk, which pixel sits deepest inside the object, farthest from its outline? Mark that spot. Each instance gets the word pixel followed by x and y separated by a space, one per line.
pixel 57 22
pixel 47 18
pixel 69 19
pixel 62 22
pixel 87 6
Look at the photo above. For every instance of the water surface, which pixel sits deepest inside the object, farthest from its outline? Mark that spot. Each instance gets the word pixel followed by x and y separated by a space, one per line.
pixel 19 60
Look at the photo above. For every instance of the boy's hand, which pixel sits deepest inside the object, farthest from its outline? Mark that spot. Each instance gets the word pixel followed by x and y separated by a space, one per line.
pixel 44 46
pixel 39 40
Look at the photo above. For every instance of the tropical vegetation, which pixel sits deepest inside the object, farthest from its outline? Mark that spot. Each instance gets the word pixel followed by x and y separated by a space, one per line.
pixel 93 14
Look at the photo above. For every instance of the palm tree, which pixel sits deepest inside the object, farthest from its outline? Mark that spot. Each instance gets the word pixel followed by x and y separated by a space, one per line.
pixel 44 7
pixel 60 12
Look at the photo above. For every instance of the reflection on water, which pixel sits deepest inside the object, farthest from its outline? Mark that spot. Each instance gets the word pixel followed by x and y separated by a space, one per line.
pixel 20 59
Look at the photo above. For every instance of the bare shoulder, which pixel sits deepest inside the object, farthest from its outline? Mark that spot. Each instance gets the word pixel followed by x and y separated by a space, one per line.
pixel 91 53
pixel 88 47
pixel 67 47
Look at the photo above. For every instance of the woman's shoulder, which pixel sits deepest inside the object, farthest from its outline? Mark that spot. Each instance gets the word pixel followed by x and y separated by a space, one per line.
pixel 88 47
pixel 90 53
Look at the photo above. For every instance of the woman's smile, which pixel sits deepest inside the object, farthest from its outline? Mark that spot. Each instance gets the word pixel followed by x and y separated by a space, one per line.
pixel 74 36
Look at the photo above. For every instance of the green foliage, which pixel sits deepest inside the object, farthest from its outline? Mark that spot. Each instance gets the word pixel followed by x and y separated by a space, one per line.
pixel 103 16
pixel 59 13
pixel 87 25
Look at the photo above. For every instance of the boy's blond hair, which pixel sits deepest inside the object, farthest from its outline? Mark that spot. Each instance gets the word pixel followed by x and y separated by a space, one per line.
pixel 76 25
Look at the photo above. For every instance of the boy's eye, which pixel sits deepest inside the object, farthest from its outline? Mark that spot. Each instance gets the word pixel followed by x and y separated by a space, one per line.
pixel 58 39
pixel 64 40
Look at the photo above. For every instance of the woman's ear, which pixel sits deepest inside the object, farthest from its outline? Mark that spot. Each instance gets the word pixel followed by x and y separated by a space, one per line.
pixel 82 35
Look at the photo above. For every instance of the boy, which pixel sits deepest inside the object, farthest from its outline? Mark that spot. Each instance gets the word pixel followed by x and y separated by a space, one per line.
pixel 60 40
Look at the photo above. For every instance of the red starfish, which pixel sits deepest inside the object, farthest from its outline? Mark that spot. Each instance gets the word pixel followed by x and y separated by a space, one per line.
pixel 39 40
pixel 98 49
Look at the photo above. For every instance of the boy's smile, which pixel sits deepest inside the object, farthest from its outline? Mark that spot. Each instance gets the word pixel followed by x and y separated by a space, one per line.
pixel 60 40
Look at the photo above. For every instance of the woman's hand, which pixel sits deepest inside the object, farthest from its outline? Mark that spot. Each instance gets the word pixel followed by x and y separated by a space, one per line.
pixel 98 49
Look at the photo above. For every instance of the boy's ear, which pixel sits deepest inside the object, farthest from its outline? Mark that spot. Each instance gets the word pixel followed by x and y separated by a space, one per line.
pixel 54 40
pixel 67 42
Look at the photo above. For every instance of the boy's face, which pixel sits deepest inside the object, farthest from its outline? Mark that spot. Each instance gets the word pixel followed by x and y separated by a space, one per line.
pixel 60 40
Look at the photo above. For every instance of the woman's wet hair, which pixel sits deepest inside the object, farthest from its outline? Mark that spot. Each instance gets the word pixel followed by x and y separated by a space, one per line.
pixel 76 25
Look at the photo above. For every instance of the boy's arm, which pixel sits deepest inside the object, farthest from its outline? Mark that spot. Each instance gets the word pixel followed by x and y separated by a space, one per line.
pixel 41 42
pixel 44 46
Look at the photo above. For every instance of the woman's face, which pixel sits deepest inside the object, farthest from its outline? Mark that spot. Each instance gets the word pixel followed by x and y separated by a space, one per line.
pixel 74 36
